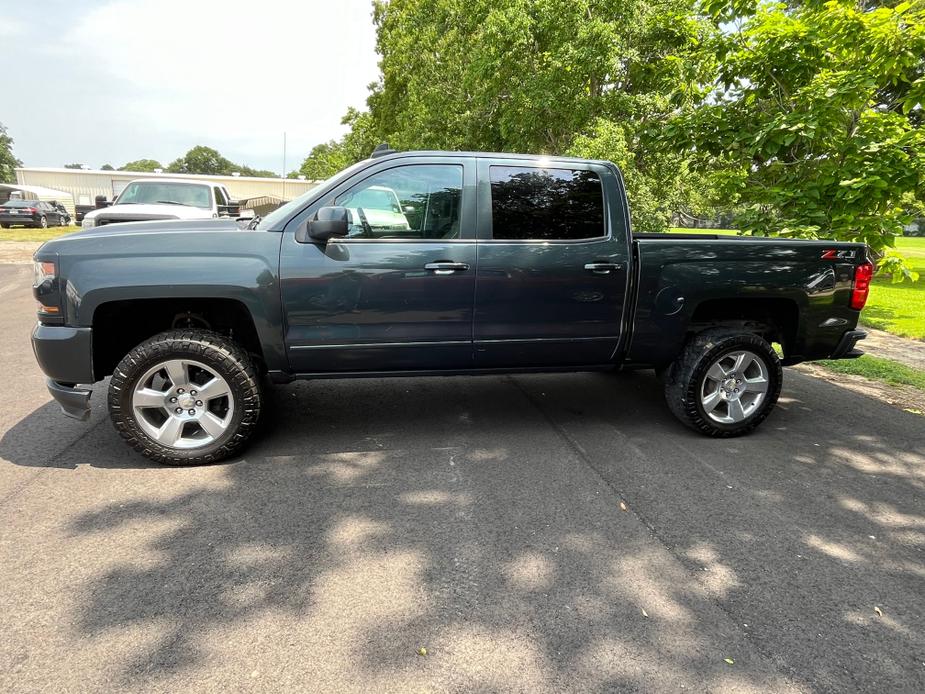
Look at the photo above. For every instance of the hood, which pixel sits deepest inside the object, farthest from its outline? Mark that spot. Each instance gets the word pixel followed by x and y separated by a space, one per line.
pixel 158 226
pixel 153 211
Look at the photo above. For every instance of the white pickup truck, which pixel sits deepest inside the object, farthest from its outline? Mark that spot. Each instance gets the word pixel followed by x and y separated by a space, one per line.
pixel 148 199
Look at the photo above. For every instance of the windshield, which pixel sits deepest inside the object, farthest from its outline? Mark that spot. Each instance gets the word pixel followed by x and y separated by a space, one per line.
pixel 19 203
pixel 275 219
pixel 154 192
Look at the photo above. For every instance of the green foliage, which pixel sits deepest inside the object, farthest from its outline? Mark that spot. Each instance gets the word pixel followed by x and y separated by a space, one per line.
pixel 107 167
pixel 586 77
pixel 73 166
pixel 201 160
pixel 816 119
pixel 328 158
pixel 207 161
pixel 147 165
pixel 7 161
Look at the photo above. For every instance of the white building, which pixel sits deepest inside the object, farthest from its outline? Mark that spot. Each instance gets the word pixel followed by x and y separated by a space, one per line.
pixel 81 186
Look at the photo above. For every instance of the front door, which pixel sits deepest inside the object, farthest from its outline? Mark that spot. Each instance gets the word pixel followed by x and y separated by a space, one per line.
pixel 552 264
pixel 397 292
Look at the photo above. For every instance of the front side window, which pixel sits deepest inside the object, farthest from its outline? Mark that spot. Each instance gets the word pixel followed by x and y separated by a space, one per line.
pixel 408 202
pixel 529 203
pixel 220 197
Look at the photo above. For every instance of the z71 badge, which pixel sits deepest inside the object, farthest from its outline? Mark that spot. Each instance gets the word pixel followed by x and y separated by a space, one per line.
pixel 847 254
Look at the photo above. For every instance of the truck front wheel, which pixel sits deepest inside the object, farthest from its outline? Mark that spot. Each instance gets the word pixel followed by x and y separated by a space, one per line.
pixel 185 397
pixel 725 383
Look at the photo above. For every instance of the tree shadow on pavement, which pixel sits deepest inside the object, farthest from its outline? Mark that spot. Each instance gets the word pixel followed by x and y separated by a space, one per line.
pixel 480 519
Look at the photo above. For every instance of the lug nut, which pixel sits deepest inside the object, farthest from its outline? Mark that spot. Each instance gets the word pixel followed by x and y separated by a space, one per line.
pixel 192 392
pixel 736 390
pixel 179 390
pixel 179 410
pixel 173 399
pixel 192 411
pixel 199 403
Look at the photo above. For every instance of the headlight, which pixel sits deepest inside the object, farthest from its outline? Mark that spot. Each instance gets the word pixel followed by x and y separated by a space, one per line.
pixel 88 223
pixel 43 270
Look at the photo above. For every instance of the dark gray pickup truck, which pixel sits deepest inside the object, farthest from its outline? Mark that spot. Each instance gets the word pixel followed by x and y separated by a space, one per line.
pixel 424 263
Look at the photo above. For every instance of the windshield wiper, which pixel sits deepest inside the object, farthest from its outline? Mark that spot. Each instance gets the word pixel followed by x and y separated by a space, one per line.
pixel 173 202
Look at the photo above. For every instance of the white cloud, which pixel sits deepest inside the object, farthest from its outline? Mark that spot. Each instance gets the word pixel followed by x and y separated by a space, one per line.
pixel 233 75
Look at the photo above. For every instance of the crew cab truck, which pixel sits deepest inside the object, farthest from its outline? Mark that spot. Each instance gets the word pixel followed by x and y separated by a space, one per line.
pixel 476 263
pixel 147 199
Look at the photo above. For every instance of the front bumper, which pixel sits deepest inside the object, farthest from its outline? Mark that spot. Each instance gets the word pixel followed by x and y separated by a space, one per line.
pixel 74 401
pixel 65 354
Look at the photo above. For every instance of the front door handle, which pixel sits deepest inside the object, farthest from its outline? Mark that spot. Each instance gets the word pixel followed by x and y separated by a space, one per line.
pixel 446 268
pixel 603 268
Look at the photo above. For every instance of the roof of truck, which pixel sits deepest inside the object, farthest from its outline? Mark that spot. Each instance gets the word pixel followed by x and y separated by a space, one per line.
pixel 173 180
pixel 488 155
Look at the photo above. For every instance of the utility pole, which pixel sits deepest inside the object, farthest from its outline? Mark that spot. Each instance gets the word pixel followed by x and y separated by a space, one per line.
pixel 283 175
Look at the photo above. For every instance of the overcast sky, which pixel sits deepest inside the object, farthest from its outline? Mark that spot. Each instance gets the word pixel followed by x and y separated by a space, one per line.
pixel 110 81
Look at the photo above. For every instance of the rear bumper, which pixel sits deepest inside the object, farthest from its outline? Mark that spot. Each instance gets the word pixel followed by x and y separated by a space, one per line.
pixel 74 401
pixel 19 219
pixel 846 346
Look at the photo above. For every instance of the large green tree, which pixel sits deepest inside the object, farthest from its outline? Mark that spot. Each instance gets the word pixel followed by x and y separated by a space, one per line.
pixel 330 157
pixel 205 160
pixel 816 118
pixel 585 77
pixel 146 165
pixel 7 161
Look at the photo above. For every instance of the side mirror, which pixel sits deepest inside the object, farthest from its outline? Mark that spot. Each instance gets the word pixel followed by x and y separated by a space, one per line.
pixel 327 223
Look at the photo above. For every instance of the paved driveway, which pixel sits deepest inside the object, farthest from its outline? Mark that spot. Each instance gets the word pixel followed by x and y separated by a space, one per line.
pixel 478 518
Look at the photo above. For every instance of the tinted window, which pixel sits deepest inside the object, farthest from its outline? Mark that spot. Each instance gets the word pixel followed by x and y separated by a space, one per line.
pixel 415 202
pixel 546 204
pixel 220 197
pixel 19 203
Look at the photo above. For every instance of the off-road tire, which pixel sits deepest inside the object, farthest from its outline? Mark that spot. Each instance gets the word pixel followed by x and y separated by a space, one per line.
pixel 685 378
pixel 213 350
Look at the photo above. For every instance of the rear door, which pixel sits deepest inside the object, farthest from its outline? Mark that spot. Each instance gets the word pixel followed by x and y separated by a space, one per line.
pixel 553 263
pixel 397 293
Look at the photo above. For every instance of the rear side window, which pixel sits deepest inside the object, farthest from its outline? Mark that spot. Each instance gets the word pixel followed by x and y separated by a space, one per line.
pixel 529 203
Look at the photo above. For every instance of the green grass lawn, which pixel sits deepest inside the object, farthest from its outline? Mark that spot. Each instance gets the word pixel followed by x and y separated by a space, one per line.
pixel 900 308
pixel 42 235
pixel 878 369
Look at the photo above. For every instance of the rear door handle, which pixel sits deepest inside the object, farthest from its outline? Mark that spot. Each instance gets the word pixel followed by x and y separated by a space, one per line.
pixel 446 268
pixel 603 268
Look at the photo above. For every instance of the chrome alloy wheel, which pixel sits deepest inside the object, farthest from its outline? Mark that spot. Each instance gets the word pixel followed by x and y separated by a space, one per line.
pixel 734 387
pixel 182 403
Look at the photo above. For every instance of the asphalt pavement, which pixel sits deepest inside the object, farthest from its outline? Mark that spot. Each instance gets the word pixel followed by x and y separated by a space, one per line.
pixel 557 533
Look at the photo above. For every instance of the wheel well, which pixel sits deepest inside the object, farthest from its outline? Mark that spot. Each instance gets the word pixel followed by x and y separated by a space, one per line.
pixel 776 320
pixel 118 326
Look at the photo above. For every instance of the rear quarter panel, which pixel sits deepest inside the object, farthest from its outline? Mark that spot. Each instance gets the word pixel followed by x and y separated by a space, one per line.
pixel 677 276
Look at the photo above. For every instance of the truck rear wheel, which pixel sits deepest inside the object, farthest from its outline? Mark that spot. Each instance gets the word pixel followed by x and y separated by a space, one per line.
pixel 725 383
pixel 185 397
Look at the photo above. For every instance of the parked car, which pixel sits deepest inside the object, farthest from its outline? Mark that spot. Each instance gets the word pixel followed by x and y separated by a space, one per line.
pixel 509 263
pixel 62 210
pixel 30 213
pixel 160 198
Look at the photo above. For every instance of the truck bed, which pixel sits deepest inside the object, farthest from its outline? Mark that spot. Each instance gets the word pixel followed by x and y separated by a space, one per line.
pixel 684 281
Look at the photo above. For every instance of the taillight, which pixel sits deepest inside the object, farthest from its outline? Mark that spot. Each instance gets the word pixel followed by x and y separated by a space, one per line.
pixel 862 276
pixel 31 210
